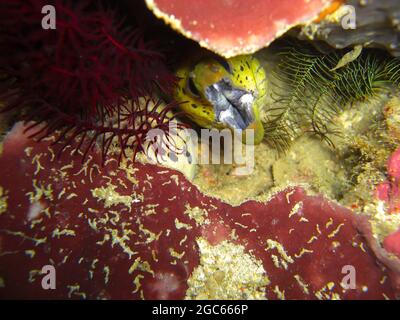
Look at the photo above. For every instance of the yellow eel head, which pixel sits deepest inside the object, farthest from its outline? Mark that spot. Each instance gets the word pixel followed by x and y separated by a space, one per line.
pixel 218 93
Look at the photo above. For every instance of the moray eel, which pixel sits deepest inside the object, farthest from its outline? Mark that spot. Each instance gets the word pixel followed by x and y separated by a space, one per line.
pixel 219 93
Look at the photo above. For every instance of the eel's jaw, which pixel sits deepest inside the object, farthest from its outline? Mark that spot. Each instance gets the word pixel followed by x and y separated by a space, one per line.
pixel 258 130
pixel 234 108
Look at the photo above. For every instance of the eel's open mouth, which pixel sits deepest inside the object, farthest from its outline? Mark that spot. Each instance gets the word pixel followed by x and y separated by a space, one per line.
pixel 232 106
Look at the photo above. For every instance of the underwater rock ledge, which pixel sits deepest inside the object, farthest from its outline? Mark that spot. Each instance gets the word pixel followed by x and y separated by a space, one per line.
pixel 377 25
pixel 142 231
pixel 235 27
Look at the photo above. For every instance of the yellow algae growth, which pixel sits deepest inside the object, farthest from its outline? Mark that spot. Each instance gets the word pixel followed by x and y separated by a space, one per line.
pixel 3 200
pixel 112 198
pixel 226 271
pixel 197 214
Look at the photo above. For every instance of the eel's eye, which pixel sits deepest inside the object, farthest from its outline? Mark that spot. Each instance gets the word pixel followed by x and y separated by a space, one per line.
pixel 191 87
pixel 225 64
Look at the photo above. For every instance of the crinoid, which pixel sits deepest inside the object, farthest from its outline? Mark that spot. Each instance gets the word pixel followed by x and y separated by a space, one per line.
pixel 83 81
pixel 310 92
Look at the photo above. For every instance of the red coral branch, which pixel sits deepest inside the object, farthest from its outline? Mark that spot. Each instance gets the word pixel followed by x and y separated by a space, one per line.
pixel 80 78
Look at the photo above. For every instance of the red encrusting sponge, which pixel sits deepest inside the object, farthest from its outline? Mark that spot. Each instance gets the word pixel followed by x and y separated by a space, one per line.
pixel 83 78
pixel 146 232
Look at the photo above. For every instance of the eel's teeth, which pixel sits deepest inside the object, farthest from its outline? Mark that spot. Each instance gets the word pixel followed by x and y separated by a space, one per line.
pixel 232 118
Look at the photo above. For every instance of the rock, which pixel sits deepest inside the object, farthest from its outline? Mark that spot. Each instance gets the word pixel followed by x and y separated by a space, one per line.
pixel 141 231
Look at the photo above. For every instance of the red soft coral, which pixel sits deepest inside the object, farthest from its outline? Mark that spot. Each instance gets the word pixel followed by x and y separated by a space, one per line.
pixel 79 78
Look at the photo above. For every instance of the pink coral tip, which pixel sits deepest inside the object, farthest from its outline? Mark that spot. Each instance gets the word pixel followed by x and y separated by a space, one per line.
pixel 393 166
pixel 392 243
